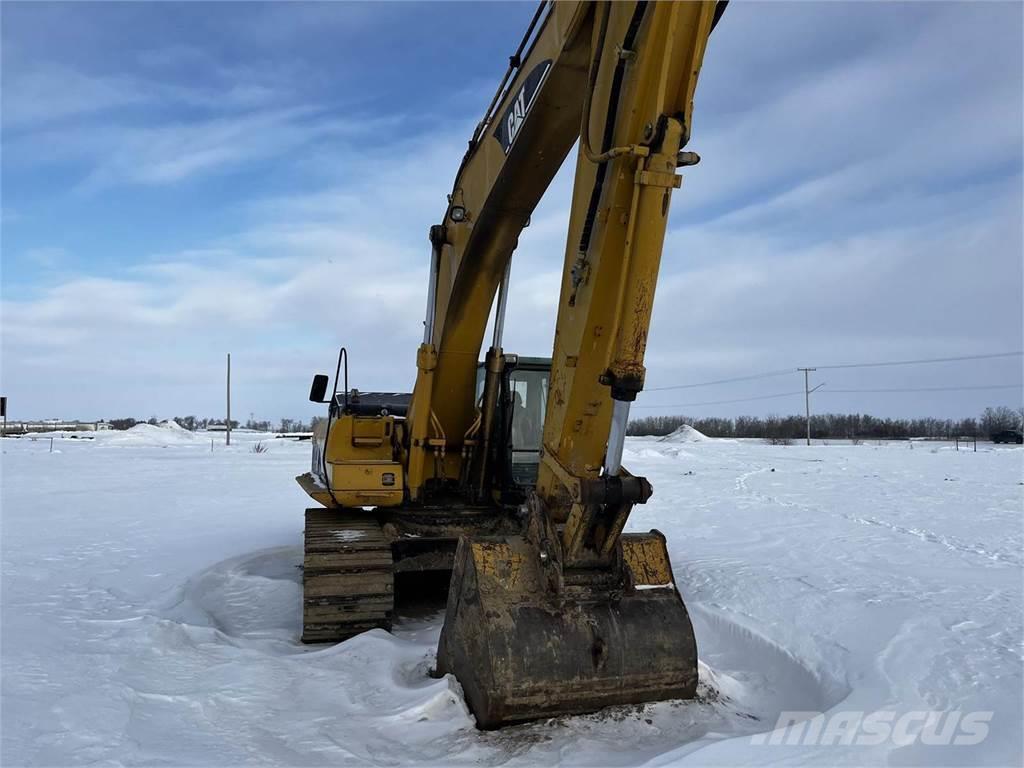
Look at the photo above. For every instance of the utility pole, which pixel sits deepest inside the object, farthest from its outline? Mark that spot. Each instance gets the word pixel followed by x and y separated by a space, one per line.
pixel 228 423
pixel 807 397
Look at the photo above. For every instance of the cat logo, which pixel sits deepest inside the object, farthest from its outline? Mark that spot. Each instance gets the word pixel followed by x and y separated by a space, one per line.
pixel 515 114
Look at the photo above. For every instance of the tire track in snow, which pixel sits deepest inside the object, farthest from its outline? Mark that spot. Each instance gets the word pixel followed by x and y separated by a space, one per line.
pixel 949 542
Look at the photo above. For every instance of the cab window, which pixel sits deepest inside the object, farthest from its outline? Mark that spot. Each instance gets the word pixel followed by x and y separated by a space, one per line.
pixel 528 395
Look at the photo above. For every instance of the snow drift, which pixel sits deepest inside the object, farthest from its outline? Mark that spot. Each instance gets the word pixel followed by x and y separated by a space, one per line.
pixel 150 613
pixel 685 434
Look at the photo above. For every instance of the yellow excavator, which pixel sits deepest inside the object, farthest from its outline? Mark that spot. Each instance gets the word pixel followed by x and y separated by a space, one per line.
pixel 503 478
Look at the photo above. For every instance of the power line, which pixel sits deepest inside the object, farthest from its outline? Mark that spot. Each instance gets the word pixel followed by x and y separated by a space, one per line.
pixel 765 375
pixel 721 402
pixel 784 371
pixel 926 389
pixel 923 361
pixel 833 392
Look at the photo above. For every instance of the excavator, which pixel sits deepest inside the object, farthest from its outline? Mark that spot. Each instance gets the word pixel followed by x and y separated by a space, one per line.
pixel 503 478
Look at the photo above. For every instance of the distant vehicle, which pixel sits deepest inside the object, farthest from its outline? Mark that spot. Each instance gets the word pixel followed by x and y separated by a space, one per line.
pixel 1008 436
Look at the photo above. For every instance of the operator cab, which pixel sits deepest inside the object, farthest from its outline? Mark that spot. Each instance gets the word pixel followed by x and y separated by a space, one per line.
pixel 522 403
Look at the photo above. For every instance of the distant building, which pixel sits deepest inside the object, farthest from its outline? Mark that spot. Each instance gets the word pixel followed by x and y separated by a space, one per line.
pixel 54 425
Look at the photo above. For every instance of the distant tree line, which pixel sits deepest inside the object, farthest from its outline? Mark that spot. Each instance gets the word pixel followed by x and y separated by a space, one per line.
pixel 194 423
pixel 834 425
pixel 823 425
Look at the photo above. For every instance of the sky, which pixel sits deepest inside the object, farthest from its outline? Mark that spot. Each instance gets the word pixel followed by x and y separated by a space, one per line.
pixel 180 181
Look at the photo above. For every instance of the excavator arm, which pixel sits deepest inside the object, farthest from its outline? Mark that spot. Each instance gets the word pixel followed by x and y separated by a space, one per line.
pixel 645 62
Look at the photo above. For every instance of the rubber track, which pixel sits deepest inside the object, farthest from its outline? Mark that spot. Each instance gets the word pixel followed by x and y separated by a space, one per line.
pixel 348 578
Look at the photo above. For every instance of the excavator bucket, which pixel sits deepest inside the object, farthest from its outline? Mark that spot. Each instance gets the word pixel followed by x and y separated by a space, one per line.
pixel 525 643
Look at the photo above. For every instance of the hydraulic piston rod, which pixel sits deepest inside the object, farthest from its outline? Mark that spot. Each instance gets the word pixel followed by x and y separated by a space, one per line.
pixel 616 437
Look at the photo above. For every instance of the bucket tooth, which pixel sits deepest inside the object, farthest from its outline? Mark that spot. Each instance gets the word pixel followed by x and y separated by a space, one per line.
pixel 523 650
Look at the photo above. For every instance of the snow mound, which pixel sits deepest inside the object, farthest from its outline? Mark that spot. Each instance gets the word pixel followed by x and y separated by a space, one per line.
pixel 167 432
pixel 254 595
pixel 173 426
pixel 685 434
pixel 160 435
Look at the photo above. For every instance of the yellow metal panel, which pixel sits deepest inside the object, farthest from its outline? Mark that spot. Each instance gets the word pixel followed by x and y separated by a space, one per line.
pixel 365 484
pixel 317 492
pixel 507 567
pixel 646 557
pixel 360 438
pixel 370 433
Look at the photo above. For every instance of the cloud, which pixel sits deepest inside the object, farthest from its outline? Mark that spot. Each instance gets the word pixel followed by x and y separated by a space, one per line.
pixel 276 25
pixel 172 153
pixel 46 257
pixel 308 273
pixel 177 113
pixel 859 199
pixel 45 93
pixel 901 293
pixel 881 119
pixel 53 93
pixel 175 317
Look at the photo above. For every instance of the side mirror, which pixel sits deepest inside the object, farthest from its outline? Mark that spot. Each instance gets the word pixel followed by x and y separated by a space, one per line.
pixel 318 389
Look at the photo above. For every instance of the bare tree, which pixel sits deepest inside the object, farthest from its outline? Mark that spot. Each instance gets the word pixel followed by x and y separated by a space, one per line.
pixel 999 418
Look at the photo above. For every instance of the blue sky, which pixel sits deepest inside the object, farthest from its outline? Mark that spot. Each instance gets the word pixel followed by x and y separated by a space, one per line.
pixel 183 180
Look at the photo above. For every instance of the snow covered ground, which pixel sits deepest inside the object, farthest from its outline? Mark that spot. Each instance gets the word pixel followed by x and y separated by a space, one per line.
pixel 150 613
